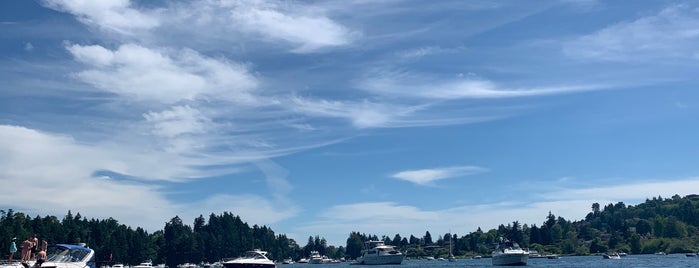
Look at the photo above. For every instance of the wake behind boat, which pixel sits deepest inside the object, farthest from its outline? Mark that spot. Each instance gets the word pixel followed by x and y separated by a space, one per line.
pixel 252 259
pixel 509 253
pixel 377 253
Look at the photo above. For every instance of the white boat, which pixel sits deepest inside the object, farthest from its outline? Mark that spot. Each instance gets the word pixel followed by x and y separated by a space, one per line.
pixel 145 264
pixel 303 260
pixel 118 265
pixel 378 253
pixel 451 253
pixel 613 256
pixel 510 254
pixel 316 258
pixel 253 258
pixel 61 256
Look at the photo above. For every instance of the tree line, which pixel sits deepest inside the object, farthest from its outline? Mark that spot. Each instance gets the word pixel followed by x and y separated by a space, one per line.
pixel 657 225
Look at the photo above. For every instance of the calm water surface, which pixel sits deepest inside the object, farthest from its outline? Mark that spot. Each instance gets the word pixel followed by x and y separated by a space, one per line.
pixel 672 260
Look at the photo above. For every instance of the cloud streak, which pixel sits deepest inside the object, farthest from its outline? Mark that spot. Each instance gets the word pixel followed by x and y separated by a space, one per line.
pixel 670 34
pixel 429 176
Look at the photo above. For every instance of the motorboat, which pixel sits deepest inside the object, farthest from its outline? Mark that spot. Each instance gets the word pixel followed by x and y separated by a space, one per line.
pixel 61 256
pixel 612 256
pixel 145 264
pixel 378 253
pixel 315 258
pixel 118 265
pixel 508 253
pixel 303 260
pixel 253 258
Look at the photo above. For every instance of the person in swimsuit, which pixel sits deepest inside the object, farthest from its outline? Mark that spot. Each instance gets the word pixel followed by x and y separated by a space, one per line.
pixel 26 249
pixel 35 246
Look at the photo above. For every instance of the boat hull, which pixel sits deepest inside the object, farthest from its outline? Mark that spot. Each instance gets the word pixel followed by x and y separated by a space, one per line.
pixel 381 260
pixel 511 259
pixel 249 265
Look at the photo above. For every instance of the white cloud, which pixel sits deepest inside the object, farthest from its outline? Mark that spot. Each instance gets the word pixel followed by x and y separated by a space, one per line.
pixel 671 34
pixel 428 176
pixel 362 114
pixel 177 121
pixel 304 26
pixel 412 85
pixel 59 171
pixel 143 74
pixel 114 15
pixel 61 174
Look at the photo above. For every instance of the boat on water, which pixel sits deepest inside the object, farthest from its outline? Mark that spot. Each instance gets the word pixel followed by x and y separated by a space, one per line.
pixel 451 252
pixel 145 264
pixel 691 254
pixel 303 260
pixel 611 256
pixel 61 256
pixel 287 261
pixel 378 253
pixel 118 265
pixel 508 253
pixel 253 258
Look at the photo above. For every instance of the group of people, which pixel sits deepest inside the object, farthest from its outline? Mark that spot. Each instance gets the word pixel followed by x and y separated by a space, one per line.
pixel 31 249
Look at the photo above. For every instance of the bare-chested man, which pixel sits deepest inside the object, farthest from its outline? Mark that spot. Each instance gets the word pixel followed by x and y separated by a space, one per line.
pixel 26 249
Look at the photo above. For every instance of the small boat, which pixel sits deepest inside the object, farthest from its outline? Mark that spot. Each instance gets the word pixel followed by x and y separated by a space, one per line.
pixel 253 258
pixel 660 253
pixel 508 253
pixel 552 256
pixel 303 260
pixel 145 264
pixel 118 265
pixel 451 253
pixel 477 257
pixel 287 261
pixel 612 256
pixel 378 253
pixel 691 254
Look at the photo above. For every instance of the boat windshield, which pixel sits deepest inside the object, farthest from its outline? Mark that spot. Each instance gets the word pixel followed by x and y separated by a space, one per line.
pixel 57 253
pixel 254 255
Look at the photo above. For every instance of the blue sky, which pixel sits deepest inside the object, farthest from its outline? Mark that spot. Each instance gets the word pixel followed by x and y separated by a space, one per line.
pixel 327 117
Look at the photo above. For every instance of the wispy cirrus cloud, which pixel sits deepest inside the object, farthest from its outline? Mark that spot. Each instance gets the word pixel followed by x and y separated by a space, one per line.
pixel 114 15
pixel 304 26
pixel 429 176
pixel 670 34
pixel 414 85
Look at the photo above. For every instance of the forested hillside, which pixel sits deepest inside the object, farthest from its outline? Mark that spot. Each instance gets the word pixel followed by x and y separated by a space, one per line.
pixel 667 225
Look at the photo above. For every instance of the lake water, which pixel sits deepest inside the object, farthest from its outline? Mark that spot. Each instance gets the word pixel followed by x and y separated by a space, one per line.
pixel 635 261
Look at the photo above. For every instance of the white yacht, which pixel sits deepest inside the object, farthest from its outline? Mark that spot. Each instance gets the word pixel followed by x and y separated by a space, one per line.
pixel 315 258
pixel 377 253
pixel 510 254
pixel 254 258
pixel 61 256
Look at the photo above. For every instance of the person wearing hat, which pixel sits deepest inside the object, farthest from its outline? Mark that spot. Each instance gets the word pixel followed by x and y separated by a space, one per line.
pixel 13 248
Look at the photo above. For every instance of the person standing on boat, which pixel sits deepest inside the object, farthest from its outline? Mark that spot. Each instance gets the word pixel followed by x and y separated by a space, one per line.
pixel 35 246
pixel 26 249
pixel 13 248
